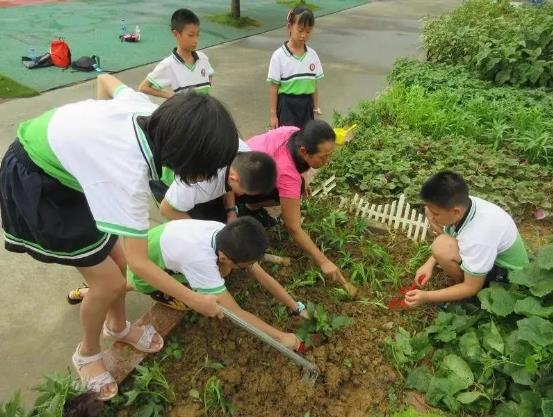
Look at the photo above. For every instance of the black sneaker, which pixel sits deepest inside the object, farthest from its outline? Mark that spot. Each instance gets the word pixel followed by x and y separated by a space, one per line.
pixel 260 215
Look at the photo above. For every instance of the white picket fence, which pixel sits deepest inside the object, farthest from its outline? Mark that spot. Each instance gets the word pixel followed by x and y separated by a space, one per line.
pixel 325 187
pixel 398 215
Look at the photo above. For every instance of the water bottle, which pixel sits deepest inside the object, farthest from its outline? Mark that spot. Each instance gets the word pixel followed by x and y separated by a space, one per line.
pixel 137 32
pixel 32 54
pixel 123 26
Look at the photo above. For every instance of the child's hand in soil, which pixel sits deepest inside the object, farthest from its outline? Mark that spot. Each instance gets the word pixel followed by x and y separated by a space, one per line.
pixel 415 298
pixel 290 340
pixel 330 270
pixel 423 274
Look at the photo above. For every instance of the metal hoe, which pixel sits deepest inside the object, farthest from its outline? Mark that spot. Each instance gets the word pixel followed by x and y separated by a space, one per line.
pixel 310 370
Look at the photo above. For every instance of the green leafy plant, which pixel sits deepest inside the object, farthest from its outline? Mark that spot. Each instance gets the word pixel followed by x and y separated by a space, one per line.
pixel 499 359
pixel 173 350
pixel 320 323
pixel 54 393
pixel 340 295
pixel 503 43
pixel 150 392
pixel 281 313
pixel 214 401
pixel 208 364
pixel 383 162
pixel 306 279
pixel 13 407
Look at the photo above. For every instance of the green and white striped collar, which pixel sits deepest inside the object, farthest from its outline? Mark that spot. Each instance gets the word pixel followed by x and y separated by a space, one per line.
pixel 145 147
pixel 456 229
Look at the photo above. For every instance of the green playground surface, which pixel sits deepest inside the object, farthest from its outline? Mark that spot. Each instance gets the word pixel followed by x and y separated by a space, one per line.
pixel 92 27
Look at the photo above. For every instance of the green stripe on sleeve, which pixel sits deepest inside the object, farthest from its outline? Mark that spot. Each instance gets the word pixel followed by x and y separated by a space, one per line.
pixel 122 230
pixel 154 83
pixel 118 90
pixel 211 291
pixel 474 274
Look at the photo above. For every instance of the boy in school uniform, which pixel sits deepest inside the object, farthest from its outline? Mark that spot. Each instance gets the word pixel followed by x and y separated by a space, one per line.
pixel 251 173
pixel 185 69
pixel 477 243
pixel 200 254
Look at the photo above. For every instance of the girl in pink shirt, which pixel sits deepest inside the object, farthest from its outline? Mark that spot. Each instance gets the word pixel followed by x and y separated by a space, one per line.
pixel 294 151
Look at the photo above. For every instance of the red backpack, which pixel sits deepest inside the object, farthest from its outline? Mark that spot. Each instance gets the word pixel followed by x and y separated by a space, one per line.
pixel 60 53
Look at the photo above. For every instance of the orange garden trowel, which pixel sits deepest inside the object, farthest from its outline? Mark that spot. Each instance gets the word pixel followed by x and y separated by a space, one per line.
pixel 398 302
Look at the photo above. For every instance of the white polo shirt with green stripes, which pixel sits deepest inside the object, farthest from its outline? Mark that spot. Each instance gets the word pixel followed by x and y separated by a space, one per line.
pixel 486 236
pixel 184 197
pixel 294 74
pixel 178 76
pixel 185 249
pixel 97 147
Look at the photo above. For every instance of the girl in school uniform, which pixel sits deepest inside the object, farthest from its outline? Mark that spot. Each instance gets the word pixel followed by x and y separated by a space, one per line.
pixel 294 72
pixel 76 180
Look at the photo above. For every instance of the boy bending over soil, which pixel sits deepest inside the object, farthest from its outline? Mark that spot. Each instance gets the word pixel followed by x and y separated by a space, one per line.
pixel 200 254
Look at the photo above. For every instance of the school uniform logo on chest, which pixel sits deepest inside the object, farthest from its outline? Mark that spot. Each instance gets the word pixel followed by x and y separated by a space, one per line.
pixel 312 67
pixel 203 72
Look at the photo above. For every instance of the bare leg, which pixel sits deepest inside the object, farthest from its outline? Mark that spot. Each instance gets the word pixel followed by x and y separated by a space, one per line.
pixel 106 285
pixel 116 319
pixel 446 252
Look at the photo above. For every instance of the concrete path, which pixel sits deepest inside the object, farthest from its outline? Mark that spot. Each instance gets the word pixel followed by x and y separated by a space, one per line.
pixel 38 329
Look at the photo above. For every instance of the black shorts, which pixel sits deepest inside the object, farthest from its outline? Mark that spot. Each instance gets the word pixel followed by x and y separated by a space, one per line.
pixel 46 219
pixel 260 198
pixel 294 110
pixel 497 274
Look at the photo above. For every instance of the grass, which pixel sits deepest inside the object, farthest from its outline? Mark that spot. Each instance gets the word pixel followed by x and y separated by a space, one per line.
pixel 241 22
pixel 12 89
pixel 293 3
pixel 214 401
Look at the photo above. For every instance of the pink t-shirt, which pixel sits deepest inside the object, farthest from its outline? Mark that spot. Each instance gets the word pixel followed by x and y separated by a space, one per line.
pixel 274 144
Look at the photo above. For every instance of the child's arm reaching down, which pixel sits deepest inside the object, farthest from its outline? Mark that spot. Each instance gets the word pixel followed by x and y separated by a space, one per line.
pixel 287 339
pixel 274 287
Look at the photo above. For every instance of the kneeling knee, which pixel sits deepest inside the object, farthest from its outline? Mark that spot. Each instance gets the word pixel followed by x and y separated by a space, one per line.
pixel 445 249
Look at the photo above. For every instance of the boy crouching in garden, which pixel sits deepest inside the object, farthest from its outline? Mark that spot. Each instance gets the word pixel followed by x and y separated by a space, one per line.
pixel 477 243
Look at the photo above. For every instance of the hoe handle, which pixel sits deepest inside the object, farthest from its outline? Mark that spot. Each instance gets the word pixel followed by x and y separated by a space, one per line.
pixel 310 367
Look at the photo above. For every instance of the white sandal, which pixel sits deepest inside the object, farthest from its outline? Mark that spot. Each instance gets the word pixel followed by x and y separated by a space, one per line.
pixel 143 343
pixel 96 383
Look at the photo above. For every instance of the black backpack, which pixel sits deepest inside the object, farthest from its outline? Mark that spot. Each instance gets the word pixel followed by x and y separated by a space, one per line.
pixel 37 62
pixel 86 63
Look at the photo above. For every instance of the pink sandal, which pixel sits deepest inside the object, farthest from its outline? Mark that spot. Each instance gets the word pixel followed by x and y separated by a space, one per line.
pixel 94 384
pixel 143 344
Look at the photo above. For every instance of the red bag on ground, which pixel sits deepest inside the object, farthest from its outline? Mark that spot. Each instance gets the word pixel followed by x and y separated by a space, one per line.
pixel 60 53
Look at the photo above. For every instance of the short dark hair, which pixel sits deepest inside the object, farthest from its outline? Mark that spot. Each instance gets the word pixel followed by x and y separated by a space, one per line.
pixel 257 172
pixel 301 15
pixel 183 17
pixel 312 135
pixel 446 189
pixel 192 134
pixel 243 240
